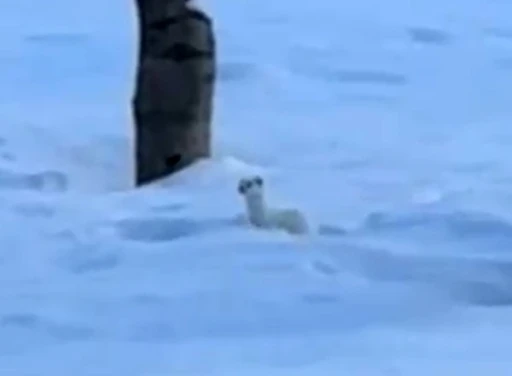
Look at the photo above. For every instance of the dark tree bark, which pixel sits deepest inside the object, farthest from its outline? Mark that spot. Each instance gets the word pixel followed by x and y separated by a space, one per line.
pixel 173 100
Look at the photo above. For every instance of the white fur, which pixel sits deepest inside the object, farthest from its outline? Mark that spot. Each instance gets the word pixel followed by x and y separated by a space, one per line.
pixel 262 216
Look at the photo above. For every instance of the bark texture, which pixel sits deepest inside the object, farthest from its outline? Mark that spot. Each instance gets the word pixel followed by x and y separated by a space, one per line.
pixel 173 100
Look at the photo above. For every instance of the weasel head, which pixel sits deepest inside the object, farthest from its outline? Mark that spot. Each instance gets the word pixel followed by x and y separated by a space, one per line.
pixel 251 186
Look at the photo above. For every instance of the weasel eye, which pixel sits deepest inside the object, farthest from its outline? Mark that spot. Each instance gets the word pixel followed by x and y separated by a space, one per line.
pixel 241 188
pixel 258 181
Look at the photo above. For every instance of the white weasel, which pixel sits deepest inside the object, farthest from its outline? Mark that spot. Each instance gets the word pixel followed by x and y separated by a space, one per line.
pixel 259 215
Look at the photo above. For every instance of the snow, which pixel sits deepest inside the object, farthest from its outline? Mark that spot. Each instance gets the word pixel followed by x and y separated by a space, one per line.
pixel 387 124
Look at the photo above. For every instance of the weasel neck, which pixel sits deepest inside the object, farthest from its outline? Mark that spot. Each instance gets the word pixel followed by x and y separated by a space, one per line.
pixel 256 210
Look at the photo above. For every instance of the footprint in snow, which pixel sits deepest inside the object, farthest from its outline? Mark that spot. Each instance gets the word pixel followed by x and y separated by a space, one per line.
pixel 160 229
pixel 36 324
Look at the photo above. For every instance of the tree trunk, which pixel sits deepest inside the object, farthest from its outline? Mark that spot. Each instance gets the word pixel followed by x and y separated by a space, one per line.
pixel 173 100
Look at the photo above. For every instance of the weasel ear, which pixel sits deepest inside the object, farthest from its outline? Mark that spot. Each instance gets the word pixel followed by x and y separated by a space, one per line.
pixel 241 187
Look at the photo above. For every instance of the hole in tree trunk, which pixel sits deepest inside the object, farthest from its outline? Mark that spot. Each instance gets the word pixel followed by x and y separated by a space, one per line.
pixel 172 161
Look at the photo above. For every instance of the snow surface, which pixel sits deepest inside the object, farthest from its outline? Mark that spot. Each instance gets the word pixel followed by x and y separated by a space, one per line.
pixel 388 123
